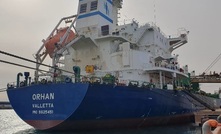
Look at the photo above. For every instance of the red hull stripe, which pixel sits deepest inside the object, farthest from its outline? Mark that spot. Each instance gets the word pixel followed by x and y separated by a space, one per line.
pixel 43 124
pixel 110 124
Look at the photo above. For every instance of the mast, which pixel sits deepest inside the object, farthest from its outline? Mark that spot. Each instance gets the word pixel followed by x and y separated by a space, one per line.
pixel 98 17
pixel 117 5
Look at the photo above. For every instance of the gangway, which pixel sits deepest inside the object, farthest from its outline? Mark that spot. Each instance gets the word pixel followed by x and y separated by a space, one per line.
pixel 204 103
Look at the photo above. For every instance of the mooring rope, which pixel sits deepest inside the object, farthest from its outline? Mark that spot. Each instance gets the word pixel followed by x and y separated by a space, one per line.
pixel 25 59
pixel 3 89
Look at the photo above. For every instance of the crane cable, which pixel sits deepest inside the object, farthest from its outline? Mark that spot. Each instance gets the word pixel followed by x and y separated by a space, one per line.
pixel 213 63
pixel 15 56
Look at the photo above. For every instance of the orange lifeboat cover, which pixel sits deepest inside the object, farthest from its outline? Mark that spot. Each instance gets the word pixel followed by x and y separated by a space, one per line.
pixel 50 44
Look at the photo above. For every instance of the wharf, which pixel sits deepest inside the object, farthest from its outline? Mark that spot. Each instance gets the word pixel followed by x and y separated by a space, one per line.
pixel 204 115
pixel 5 105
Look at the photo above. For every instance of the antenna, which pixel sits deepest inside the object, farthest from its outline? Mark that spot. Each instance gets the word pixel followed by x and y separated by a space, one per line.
pixel 155 14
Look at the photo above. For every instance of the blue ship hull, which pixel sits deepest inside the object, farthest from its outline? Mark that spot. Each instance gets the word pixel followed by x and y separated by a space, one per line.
pixel 93 106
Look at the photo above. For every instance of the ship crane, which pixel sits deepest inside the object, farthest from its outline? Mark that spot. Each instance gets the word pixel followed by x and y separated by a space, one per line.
pixel 212 77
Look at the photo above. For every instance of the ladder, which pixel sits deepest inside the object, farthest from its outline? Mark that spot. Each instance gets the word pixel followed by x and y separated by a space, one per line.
pixel 204 103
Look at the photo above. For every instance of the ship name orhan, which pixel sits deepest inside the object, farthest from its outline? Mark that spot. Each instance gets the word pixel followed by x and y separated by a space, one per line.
pixel 42 106
pixel 43 96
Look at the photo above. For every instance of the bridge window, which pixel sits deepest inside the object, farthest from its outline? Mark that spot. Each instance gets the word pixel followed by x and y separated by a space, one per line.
pixel 83 8
pixel 94 5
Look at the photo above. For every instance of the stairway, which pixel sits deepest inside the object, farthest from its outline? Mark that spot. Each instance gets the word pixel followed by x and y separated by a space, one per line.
pixel 204 103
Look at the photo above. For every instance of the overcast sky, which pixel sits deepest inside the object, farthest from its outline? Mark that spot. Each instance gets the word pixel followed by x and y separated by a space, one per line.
pixel 24 23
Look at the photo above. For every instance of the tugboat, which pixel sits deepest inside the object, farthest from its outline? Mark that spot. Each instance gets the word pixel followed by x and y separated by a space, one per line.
pixel 105 75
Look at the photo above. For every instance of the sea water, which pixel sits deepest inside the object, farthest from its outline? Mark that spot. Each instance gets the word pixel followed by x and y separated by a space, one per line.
pixel 10 123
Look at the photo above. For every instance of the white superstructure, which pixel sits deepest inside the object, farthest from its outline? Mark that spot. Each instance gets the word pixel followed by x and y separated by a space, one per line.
pixel 129 52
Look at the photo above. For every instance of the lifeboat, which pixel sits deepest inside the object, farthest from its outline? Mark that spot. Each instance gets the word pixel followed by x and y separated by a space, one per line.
pixel 50 44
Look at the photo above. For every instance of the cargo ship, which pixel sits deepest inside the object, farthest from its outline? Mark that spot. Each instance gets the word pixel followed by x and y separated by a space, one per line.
pixel 105 75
